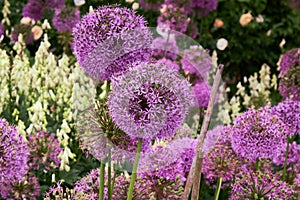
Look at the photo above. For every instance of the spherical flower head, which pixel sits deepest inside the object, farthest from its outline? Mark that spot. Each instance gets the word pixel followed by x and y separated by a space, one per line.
pixel 98 135
pixel 212 137
pixel 163 47
pixel 289 60
pixel 27 188
pixel 289 85
pixel 169 63
pixel 107 41
pixel 202 93
pixel 260 184
pixel 1 29
pixel 13 155
pixel 288 112
pixel 203 7
pixel 173 19
pixel 185 6
pixel 220 161
pixel 34 9
pixel 23 29
pixel 149 101
pixel 54 4
pixel 65 18
pixel 258 134
pixel 44 150
pixel 151 4
pixel 197 61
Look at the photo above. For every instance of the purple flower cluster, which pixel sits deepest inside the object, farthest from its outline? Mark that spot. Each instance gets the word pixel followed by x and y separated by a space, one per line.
pixel 23 29
pixel 289 60
pixel 169 63
pixel 288 112
pixel 289 85
pixel 27 188
pixel 149 101
pixel 260 184
pixel 44 151
pixel 185 6
pixel 13 156
pixel 65 18
pixel 151 4
pixel 163 47
pixel 202 93
pixel 34 9
pixel 172 19
pixel 58 192
pixel 107 41
pixel 221 160
pixel 212 137
pixel 203 7
pixel 258 134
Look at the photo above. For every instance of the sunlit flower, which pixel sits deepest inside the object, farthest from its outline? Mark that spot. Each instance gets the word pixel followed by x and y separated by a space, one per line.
pixel 222 43
pixel 245 19
pixel 218 23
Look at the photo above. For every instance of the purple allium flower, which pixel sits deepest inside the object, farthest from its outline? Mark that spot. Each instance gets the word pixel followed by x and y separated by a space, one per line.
pixel 109 40
pixel 203 7
pixel 221 160
pixel 1 29
pixel 169 63
pixel 185 6
pixel 23 29
pixel 149 101
pixel 28 188
pixel 151 4
pixel 258 134
pixel 163 47
pixel 34 9
pixel 260 184
pixel 98 134
pixel 172 18
pixel 65 18
pixel 44 151
pixel 202 93
pixel 197 61
pixel 288 112
pixel 289 85
pixel 212 137
pixel 289 60
pixel 13 156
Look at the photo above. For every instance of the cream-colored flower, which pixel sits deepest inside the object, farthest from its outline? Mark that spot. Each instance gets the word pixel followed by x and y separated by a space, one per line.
pixel 222 43
pixel 135 6
pixel 26 20
pixel 282 43
pixel 129 1
pixel 79 2
pixel 37 32
pixel 259 19
pixel 245 19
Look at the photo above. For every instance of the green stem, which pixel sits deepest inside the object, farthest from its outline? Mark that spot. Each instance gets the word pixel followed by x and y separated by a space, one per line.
pixel 285 162
pixel 219 184
pixel 134 170
pixel 101 187
pixel 109 175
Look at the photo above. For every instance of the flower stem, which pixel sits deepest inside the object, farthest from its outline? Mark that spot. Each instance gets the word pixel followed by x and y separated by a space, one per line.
pixel 134 170
pixel 285 161
pixel 219 184
pixel 109 175
pixel 101 187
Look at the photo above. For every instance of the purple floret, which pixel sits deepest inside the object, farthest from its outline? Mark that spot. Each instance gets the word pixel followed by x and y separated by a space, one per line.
pixel 34 9
pixel 203 7
pixel 65 18
pixel 289 60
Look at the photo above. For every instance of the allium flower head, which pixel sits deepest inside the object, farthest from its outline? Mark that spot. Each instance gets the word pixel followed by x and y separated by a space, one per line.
pixel 173 19
pixel 65 18
pixel 289 85
pixel 288 112
pixel 44 150
pixel 258 134
pixel 203 7
pixel 54 4
pixel 109 40
pixel 289 60
pixel 34 9
pixel 261 184
pixel 212 137
pixel 185 6
pixel 149 101
pixel 13 156
pixel 169 63
pixel 58 192
pixel 221 160
pixel 27 188
pixel 202 93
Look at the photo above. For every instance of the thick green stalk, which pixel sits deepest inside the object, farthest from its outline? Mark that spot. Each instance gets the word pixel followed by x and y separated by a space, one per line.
pixel 101 187
pixel 219 184
pixel 134 170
